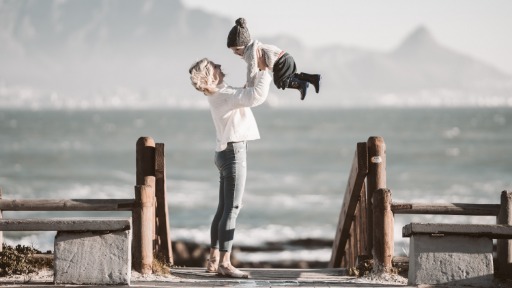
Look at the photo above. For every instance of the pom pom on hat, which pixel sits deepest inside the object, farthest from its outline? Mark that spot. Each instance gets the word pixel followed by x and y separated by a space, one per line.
pixel 239 34
pixel 241 22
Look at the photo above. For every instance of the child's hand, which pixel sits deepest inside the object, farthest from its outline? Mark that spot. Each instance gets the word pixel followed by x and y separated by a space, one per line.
pixel 262 64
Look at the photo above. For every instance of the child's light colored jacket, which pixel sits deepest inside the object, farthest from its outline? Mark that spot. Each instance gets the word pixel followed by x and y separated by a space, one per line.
pixel 270 52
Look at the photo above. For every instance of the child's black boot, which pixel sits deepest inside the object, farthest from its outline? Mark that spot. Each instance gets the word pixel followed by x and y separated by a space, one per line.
pixel 300 85
pixel 311 78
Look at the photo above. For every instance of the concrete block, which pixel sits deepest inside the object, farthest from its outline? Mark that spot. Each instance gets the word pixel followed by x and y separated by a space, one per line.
pixel 450 260
pixel 92 258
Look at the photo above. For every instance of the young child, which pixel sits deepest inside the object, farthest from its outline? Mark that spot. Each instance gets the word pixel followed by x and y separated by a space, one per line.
pixel 281 63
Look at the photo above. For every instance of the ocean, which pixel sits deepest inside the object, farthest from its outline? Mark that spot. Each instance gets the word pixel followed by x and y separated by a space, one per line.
pixel 297 172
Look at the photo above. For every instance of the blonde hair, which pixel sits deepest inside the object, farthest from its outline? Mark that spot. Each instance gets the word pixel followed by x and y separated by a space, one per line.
pixel 201 76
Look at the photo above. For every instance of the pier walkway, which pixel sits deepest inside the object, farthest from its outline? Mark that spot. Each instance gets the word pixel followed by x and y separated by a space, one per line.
pixel 197 277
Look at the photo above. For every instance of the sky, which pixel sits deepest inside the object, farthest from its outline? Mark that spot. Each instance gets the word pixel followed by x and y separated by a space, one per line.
pixel 478 28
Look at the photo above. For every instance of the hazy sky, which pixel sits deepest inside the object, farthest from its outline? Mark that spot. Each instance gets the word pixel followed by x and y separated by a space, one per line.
pixel 478 28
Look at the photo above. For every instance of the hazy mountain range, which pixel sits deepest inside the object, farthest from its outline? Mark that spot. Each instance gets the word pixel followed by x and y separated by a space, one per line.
pixel 133 53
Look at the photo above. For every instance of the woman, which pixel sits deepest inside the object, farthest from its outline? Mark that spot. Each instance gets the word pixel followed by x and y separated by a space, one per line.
pixel 234 125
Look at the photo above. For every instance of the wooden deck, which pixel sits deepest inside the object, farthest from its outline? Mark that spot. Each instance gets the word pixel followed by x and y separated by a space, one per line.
pixel 197 277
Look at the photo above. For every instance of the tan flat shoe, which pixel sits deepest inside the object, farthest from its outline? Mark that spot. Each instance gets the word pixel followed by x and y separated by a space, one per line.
pixel 231 271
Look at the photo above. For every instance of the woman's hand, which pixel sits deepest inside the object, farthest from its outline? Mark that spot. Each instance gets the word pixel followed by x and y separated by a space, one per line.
pixel 262 64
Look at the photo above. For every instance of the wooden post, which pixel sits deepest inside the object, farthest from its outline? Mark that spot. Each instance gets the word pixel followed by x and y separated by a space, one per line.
pixel 145 199
pixel 145 159
pixel 145 166
pixel 1 232
pixel 383 242
pixel 504 246
pixel 376 179
pixel 363 220
pixel 163 242
pixel 356 241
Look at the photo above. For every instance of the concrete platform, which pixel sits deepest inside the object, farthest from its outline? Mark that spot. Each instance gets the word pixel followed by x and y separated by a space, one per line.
pixel 92 258
pixel 90 250
pixel 448 254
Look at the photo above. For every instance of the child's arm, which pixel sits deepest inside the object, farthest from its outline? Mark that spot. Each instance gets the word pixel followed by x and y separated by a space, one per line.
pixel 250 57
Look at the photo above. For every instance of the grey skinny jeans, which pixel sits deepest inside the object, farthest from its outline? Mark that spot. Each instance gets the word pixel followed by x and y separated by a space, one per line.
pixel 232 166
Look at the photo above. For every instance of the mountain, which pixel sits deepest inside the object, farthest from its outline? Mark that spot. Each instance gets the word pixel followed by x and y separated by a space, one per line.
pixel 133 53
pixel 420 71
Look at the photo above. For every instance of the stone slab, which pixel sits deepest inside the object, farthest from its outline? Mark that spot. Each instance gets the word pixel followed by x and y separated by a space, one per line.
pixel 494 231
pixel 92 258
pixel 450 260
pixel 66 224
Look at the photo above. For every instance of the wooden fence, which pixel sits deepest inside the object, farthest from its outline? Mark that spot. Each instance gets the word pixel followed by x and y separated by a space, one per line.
pixel 366 222
pixel 355 231
pixel 151 233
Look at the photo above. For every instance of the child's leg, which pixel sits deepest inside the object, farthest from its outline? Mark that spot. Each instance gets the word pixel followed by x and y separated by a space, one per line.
pixel 284 69
pixel 311 78
pixel 285 75
pixel 300 85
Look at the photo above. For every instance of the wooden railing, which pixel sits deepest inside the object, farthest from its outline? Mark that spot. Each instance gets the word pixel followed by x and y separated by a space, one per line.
pixel 150 221
pixel 355 230
pixel 502 212
pixel 351 234
pixel 369 208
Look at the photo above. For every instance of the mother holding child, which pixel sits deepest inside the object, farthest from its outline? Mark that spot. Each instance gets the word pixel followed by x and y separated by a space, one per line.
pixel 235 124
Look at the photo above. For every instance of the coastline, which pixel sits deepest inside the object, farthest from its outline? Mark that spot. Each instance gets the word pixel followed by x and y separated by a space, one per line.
pixel 190 254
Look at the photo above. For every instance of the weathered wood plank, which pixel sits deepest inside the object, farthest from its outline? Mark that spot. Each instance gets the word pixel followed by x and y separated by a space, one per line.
pixel 504 246
pixel 376 179
pixel 493 231
pixel 163 242
pixel 446 208
pixel 143 239
pixel 144 168
pixel 352 194
pixel 363 237
pixel 383 241
pixel 1 217
pixel 66 224
pixel 309 275
pixel 144 158
pixel 66 204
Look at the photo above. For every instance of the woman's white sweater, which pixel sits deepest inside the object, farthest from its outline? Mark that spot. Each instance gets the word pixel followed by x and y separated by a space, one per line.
pixel 231 113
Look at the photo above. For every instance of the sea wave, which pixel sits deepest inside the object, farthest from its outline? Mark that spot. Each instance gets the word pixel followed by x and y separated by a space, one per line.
pixel 257 236
pixel 321 255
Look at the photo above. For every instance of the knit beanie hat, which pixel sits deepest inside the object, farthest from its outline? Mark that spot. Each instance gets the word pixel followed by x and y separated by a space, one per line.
pixel 239 35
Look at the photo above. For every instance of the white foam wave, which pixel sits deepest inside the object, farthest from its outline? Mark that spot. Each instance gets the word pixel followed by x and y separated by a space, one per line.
pixel 290 201
pixel 322 255
pixel 443 98
pixel 191 194
pixel 97 191
pixel 259 235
